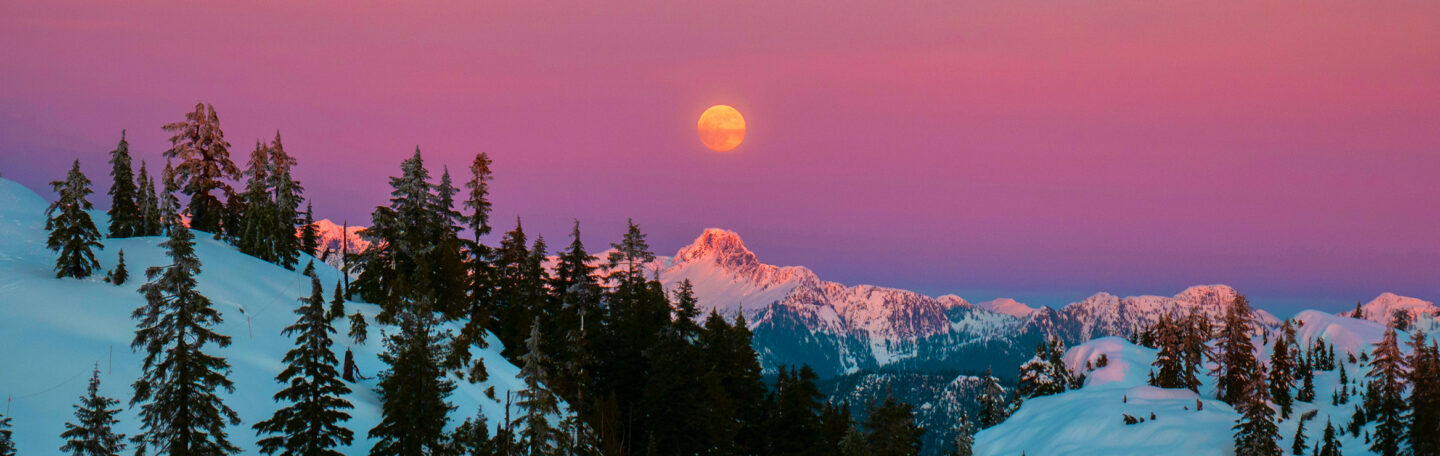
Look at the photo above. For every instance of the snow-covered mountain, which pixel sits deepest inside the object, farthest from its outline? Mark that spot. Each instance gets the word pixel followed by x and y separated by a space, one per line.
pixel 1382 309
pixel 332 235
pixel 54 331
pixel 800 319
pixel 1007 306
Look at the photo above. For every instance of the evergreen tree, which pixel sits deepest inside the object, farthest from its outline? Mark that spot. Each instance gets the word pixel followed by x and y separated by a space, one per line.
pixel 735 405
pixel 124 211
pixel 1170 360
pixel 626 263
pixel 993 409
pixel 1359 311
pixel 255 236
pixel 1282 370
pixel 95 414
pixel 964 437
pixel 390 269
pixel 119 275
pixel 169 203
pixel 1235 354
pixel 1401 320
pixel 1193 349
pixel 288 195
pixel 794 415
pixel 1255 432
pixel 835 423
pixel 1058 370
pixel 204 165
pixel 413 391
pixel 149 204
pixel 1387 374
pixel 72 233
pixel 579 318
pixel 519 291
pixel 1329 446
pixel 1035 375
pixel 1424 400
pixel 7 438
pixel 891 430
pixel 536 402
pixel 472 438
pixel 312 423
pixel 337 304
pixel 358 328
pixel 1298 445
pixel 309 238
pixel 1307 382
pixel 180 410
pixel 479 310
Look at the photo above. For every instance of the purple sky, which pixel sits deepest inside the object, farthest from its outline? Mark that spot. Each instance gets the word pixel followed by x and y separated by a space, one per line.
pixel 1037 149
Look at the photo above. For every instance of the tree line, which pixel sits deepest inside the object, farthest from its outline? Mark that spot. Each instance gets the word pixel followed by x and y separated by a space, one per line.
pixel 611 362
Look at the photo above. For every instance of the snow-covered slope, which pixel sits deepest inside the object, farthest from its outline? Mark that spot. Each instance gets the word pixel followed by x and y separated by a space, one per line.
pixel 1090 421
pixel 53 331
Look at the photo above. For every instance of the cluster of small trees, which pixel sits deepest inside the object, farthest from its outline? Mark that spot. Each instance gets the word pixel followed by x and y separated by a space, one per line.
pixel 641 371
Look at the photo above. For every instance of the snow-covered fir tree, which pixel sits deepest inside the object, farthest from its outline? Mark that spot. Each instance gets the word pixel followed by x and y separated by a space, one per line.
pixel 288 195
pixel 169 202
pixel 72 232
pixel 312 423
pixel 255 235
pixel 93 433
pixel 1037 375
pixel 124 211
pixel 204 165
pixel 964 437
pixel 1388 408
pixel 994 408
pixel 181 412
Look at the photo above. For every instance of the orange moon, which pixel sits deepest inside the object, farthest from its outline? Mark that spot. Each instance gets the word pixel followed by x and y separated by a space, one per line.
pixel 721 128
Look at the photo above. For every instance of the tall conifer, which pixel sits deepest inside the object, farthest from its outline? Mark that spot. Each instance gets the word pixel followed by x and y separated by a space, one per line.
pixel 124 211
pixel 94 435
pixel 204 156
pixel 312 424
pixel 72 233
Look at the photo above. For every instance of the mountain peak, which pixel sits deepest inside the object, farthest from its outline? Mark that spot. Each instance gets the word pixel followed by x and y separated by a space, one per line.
pixel 722 246
pixel 1383 307
pixel 1007 306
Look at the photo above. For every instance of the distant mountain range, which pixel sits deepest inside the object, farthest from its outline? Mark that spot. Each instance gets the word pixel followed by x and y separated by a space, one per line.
pixel 837 329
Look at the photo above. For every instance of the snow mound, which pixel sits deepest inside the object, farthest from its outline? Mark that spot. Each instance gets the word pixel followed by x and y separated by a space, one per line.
pixel 1348 335
pixel 1091 421
pixel 55 330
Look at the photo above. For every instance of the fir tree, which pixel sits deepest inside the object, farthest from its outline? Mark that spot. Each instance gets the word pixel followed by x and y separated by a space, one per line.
pixel 1329 445
pixel 1193 349
pixel 358 328
pixel 124 211
pixel 1298 445
pixel 72 233
pixel 478 199
pixel 255 236
pixel 1401 320
pixel 472 438
pixel 1170 360
pixel 479 309
pixel 993 409
pixel 180 410
pixel 1387 374
pixel 1424 400
pixel 1035 378
pixel 1058 370
pixel 287 204
pixel 578 322
pixel 627 262
pixel 891 430
pixel 1255 432
pixel 1307 382
pixel 204 156
pixel 149 204
pixel 312 423
pixel 964 437
pixel 413 391
pixel 794 415
pixel 95 414
pixel 337 304
pixel 7 437
pixel 536 402
pixel 1282 370
pixel 119 275
pixel 309 238
pixel 1235 353
pixel 1359 311
pixel 169 203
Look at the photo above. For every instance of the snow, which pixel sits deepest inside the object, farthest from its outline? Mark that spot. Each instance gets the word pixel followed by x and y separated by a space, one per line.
pixel 1089 421
pixel 55 330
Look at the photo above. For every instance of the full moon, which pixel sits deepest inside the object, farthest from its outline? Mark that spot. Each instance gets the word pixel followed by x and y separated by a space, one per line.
pixel 721 128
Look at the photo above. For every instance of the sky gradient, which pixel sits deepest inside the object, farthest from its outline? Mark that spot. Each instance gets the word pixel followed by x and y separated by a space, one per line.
pixel 1036 149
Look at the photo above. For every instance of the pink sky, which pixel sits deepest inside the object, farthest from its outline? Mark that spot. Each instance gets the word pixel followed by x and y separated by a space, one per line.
pixel 1037 149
